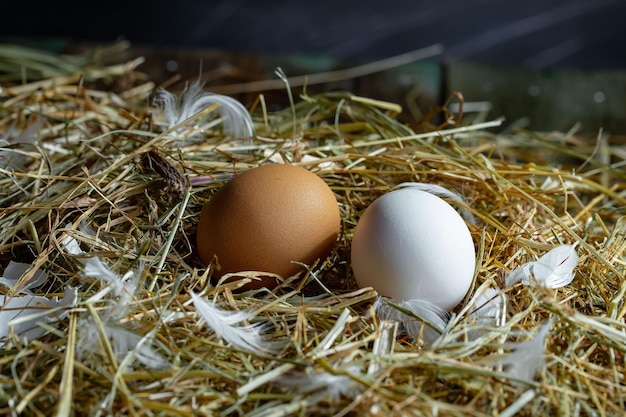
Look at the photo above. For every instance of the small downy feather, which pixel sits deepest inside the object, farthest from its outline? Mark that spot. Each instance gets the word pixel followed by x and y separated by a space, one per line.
pixel 12 159
pixel 71 245
pixel 417 317
pixel 13 272
pixel 518 274
pixel 23 313
pixel 236 118
pixel 443 192
pixel 326 386
pixel 123 341
pixel 126 342
pixel 527 358
pixel 555 269
pixel 487 306
pixel 225 324
pixel 123 287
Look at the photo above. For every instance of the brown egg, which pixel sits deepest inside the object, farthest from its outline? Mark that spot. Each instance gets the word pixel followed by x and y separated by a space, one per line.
pixel 264 219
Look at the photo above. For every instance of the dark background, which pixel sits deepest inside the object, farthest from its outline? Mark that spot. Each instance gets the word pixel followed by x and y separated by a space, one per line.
pixel 572 33
pixel 555 63
pixel 535 33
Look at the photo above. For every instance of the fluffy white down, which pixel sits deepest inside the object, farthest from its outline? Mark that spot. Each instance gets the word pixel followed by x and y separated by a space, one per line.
pixel 410 244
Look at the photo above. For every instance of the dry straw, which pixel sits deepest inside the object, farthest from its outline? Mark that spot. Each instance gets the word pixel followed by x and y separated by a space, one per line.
pixel 104 184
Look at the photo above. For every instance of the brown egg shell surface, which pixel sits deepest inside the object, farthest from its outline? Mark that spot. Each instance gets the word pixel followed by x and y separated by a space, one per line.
pixel 266 218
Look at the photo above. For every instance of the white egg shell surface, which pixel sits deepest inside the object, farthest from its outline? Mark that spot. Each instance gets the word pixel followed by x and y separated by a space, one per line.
pixel 410 244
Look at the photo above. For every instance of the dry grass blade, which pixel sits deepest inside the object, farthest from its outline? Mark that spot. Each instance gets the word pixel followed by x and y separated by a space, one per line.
pixel 22 63
pixel 97 181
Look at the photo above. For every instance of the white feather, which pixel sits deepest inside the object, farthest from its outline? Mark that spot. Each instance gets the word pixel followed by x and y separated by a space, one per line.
pixel 22 314
pixel 225 324
pixel 487 306
pixel 487 310
pixel 235 117
pixel 14 270
pixel 517 275
pixel 324 384
pixel 527 358
pixel 426 319
pixel 555 269
pixel 71 246
pixel 11 158
pixel 123 287
pixel 96 268
pixel 443 192
pixel 123 341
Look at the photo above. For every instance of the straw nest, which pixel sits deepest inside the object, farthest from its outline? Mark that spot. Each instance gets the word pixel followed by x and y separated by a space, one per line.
pixel 104 174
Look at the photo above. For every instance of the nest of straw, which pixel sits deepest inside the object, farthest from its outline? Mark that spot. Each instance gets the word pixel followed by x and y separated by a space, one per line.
pixel 102 174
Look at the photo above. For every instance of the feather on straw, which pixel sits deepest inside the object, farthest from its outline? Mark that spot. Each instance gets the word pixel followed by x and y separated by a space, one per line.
pixel 12 159
pixel 327 386
pixel 555 269
pixel 127 342
pixel 13 272
pixel 417 317
pixel 124 341
pixel 23 314
pixel 25 311
pixel 123 287
pixel 526 358
pixel 236 119
pixel 224 324
pixel 488 304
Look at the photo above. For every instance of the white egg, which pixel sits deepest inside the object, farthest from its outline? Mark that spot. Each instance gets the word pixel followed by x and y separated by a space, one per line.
pixel 410 244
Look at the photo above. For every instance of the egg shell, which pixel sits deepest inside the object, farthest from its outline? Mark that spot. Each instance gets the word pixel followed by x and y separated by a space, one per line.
pixel 410 244
pixel 264 219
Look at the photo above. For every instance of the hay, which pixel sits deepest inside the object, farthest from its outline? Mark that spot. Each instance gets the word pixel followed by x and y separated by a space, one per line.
pixel 100 172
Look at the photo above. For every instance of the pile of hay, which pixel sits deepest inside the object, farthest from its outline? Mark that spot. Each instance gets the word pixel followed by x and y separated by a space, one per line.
pixel 90 171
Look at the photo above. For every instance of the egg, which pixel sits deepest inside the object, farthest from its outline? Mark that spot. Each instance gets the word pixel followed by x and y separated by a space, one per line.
pixel 410 244
pixel 265 219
